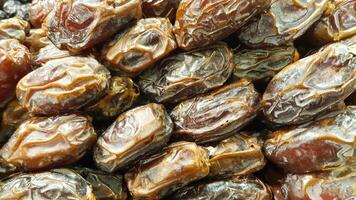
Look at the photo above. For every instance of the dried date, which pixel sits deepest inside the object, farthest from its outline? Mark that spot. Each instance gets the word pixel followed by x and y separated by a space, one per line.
pixel 160 8
pixel 14 28
pixel 38 11
pixel 36 39
pixel 50 52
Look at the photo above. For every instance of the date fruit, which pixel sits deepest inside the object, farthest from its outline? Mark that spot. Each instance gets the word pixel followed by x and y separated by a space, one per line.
pixel 178 164
pixel 200 23
pixel 319 146
pixel 39 10
pixel 47 142
pixel 63 85
pixel 160 8
pixel 14 28
pixel 50 52
pixel 135 133
pixel 36 40
pixel 77 25
pixel 140 46
pixel 180 76
pixel 216 115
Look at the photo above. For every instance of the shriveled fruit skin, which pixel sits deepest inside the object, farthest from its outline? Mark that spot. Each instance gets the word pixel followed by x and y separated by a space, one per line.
pixel 183 75
pixel 216 115
pixel 54 184
pixel 36 39
pixel 178 164
pixel 15 62
pixel 50 52
pixel 63 85
pixel 160 8
pixel 319 146
pixel 309 86
pixel 137 48
pixel 200 23
pixel 42 143
pixel 77 25
pixel 38 11
pixel 285 21
pixel 134 134
pixel 14 28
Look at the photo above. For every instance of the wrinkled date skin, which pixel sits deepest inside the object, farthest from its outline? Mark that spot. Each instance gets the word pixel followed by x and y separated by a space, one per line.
pixel 54 184
pixel 48 142
pixel 38 11
pixel 216 115
pixel 136 49
pixel 160 8
pixel 135 133
pixel 183 75
pixel 309 86
pixel 324 144
pixel 50 52
pixel 263 64
pixel 230 188
pixel 339 24
pixel 239 155
pixel 121 95
pixel 77 25
pixel 178 164
pixel 199 23
pixel 105 186
pixel 15 62
pixel 284 22
pixel 338 183
pixel 14 28
pixel 63 85
pixel 36 39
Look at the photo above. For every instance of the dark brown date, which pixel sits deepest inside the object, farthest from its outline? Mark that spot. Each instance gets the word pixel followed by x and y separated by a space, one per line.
pixel 48 142
pixel 77 25
pixel 319 146
pixel 15 62
pixel 38 11
pixel 216 115
pixel 36 40
pixel 14 28
pixel 186 74
pixel 134 134
pixel 160 8
pixel 231 188
pixel 63 85
pixel 263 64
pixel 121 95
pixel 178 164
pixel 199 23
pixel 54 184
pixel 311 85
pixel 284 22
pixel 50 52
pixel 140 46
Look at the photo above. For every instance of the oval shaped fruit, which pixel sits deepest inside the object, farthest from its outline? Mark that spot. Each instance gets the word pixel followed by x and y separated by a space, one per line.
pixel 186 74
pixel 135 133
pixel 14 28
pixel 37 39
pixel 39 10
pixel 63 85
pixel 216 115
pixel 160 8
pixel 50 52
pixel 140 46
pixel 47 142
pixel 178 164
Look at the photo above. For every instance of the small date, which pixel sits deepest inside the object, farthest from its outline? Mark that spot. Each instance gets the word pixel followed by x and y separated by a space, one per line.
pixel 14 28
pixel 39 10
pixel 160 8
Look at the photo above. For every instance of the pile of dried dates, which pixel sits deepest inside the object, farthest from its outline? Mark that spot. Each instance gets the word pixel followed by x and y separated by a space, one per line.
pixel 178 99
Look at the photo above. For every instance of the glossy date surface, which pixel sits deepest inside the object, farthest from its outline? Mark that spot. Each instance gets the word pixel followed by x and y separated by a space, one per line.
pixel 14 28
pixel 36 39
pixel 50 52
pixel 38 11
pixel 160 8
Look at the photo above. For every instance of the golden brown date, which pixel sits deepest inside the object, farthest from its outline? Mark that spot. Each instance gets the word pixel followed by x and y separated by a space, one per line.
pixel 199 23
pixel 319 146
pixel 160 8
pixel 311 85
pixel 38 11
pixel 140 46
pixel 50 52
pixel 216 115
pixel 36 40
pixel 284 22
pixel 178 164
pixel 15 62
pixel 14 28
pixel 77 25
pixel 121 95
pixel 63 85
pixel 183 75
pixel 48 142
pixel 54 184
pixel 135 133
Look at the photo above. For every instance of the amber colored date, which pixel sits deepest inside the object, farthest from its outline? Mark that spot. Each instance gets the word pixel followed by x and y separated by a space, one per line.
pixel 137 48
pixel 77 25
pixel 311 85
pixel 216 115
pixel 160 8
pixel 284 22
pixel 199 23
pixel 177 165
pixel 54 184
pixel 50 52
pixel 135 133
pixel 48 142
pixel 38 11
pixel 14 28
pixel 180 76
pixel 319 146
pixel 36 39
pixel 63 85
